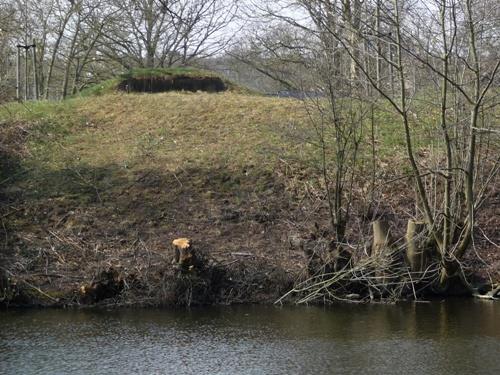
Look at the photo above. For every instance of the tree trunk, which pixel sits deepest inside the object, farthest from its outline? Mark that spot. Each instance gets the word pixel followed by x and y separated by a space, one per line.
pixel 382 253
pixel 35 73
pixel 70 59
pixel 416 245
pixel 381 238
pixel 379 47
pixel 54 52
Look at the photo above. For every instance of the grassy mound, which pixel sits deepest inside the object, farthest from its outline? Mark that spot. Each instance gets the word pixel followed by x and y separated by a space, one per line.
pixel 168 73
pixel 92 184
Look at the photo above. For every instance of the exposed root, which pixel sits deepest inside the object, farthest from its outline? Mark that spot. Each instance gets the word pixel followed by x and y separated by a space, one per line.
pixel 493 294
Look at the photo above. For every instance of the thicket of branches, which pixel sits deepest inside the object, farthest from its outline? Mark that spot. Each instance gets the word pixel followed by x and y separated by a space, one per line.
pixel 417 57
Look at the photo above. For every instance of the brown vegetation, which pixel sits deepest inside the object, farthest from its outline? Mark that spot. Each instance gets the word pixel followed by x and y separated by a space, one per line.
pixel 96 204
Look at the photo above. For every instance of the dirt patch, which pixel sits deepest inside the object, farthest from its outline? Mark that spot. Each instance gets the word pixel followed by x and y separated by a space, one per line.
pixel 172 83
pixel 113 236
pixel 12 147
pixel 110 231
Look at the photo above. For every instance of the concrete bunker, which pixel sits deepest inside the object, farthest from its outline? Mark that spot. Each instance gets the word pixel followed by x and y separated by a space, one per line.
pixel 157 84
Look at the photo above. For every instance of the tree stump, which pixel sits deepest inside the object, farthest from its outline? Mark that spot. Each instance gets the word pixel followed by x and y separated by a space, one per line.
pixel 416 245
pixel 381 238
pixel 4 285
pixel 108 284
pixel 382 252
pixel 184 257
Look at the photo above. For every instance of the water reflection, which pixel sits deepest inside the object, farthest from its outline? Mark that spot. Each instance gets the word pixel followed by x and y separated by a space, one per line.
pixel 458 336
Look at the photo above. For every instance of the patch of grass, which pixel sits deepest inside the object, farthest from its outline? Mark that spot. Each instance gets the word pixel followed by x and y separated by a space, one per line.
pixel 167 72
pixel 179 130
pixel 99 89
pixel 81 146
pixel 176 131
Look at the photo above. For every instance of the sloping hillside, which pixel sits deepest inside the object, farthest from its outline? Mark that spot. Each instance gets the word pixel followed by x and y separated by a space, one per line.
pixel 109 182
pixel 99 183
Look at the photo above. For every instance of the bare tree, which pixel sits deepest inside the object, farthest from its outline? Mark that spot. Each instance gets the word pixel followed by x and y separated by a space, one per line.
pixel 155 33
pixel 305 58
pixel 437 51
pixel 7 30
pixel 63 13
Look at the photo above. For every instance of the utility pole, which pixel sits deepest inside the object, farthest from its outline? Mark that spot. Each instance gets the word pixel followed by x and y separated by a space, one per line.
pixel 26 55
pixel 18 75
pixel 26 73
pixel 35 73
pixel 26 47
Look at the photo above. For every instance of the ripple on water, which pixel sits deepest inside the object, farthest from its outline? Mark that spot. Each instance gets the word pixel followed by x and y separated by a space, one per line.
pixel 456 337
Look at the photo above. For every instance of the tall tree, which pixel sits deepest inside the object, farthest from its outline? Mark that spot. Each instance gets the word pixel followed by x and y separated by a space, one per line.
pixel 153 33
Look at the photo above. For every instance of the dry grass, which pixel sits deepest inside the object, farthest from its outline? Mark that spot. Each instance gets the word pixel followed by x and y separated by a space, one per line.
pixel 175 130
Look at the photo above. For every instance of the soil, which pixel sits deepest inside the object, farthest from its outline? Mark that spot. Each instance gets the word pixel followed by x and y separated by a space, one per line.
pixel 114 246
pixel 129 229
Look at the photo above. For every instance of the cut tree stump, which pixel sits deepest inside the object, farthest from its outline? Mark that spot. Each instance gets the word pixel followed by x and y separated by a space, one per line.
pixel 184 257
pixel 382 240
pixel 416 245
pixel 382 251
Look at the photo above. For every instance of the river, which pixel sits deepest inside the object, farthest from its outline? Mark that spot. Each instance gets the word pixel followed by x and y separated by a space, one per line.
pixel 452 337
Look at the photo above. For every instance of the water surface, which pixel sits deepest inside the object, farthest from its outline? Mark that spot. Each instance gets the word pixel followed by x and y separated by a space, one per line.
pixel 454 337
